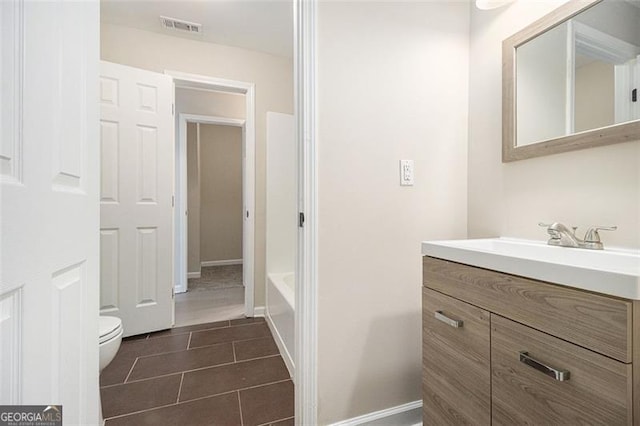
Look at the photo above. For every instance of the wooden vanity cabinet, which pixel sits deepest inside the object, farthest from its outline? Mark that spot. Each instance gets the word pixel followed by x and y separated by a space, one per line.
pixel 525 352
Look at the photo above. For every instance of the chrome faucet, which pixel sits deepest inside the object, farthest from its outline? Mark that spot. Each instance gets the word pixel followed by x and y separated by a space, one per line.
pixel 565 237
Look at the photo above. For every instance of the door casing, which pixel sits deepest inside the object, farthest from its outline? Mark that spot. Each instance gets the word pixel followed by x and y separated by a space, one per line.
pixel 194 81
pixel 182 227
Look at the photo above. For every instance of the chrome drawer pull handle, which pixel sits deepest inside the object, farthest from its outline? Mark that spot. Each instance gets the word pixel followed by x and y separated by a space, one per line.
pixel 559 375
pixel 445 319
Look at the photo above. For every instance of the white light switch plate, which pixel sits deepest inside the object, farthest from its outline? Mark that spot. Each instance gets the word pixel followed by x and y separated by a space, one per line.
pixel 406 172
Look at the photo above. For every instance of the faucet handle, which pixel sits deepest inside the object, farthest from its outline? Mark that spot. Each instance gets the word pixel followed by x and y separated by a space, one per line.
pixel 551 230
pixel 592 235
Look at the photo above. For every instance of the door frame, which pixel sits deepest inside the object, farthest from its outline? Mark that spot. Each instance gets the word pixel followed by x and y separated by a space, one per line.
pixel 305 16
pixel 199 82
pixel 182 232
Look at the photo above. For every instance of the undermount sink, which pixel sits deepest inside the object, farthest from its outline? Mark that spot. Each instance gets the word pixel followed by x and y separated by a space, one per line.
pixel 610 271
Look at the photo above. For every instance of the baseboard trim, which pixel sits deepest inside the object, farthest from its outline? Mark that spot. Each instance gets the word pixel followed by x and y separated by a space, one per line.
pixel 405 414
pixel 193 275
pixel 221 262
pixel 258 311
pixel 286 356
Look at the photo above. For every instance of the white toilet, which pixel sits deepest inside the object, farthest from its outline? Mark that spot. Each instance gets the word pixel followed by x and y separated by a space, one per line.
pixel 110 339
pixel 109 342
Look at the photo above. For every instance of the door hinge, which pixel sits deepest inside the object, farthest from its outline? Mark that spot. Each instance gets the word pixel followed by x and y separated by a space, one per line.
pixel 301 219
pixel 634 95
pixel 173 109
pixel 173 201
pixel 173 293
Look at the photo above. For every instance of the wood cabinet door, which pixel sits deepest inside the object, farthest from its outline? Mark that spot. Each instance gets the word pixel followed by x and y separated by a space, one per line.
pixel 456 384
pixel 538 379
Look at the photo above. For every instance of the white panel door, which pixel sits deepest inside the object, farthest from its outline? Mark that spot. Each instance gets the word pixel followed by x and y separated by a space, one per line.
pixel 136 197
pixel 49 182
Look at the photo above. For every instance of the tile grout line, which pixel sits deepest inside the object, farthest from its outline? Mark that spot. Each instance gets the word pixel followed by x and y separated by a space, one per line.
pixel 130 371
pixel 240 408
pixel 168 405
pixel 167 333
pixel 254 338
pixel 266 384
pixel 180 388
pixel 196 347
pixel 190 371
pixel 236 390
pixel 199 399
pixel 144 379
pixel 233 340
pixel 140 411
pixel 204 329
pixel 229 325
pixel 187 349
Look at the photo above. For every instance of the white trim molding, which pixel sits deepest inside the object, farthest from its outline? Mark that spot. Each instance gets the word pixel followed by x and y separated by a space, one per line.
pixel 306 293
pixel 286 356
pixel 405 414
pixel 259 311
pixel 192 275
pixel 220 263
pixel 195 81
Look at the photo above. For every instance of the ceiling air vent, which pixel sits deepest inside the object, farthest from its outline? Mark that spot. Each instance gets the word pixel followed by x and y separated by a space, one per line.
pixel 180 25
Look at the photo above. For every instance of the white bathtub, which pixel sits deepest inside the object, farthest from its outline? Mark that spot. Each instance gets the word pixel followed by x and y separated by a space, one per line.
pixel 280 308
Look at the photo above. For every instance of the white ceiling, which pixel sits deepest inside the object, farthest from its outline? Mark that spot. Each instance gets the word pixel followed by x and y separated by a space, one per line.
pixel 262 25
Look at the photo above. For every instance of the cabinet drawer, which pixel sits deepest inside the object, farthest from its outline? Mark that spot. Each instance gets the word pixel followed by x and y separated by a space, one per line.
pixel 456 382
pixel 600 323
pixel 596 389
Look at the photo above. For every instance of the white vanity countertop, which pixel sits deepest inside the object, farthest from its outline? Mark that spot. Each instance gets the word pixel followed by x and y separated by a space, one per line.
pixel 611 271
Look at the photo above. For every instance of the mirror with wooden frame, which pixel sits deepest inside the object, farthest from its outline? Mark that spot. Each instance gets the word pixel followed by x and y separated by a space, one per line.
pixel 570 80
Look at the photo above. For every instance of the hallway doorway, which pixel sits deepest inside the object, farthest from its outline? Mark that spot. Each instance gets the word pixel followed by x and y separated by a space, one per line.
pixel 215 289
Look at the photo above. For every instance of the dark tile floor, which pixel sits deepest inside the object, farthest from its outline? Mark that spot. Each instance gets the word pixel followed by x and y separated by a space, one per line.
pixel 220 373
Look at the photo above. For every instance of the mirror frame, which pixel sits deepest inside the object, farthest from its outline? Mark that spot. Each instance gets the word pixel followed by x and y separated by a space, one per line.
pixel 616 133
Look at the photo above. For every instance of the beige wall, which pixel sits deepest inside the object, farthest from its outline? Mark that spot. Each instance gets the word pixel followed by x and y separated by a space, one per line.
pixel 220 192
pixel 272 75
pixel 282 197
pixel 595 96
pixel 193 198
pixel 218 104
pixel 599 186
pixel 392 85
